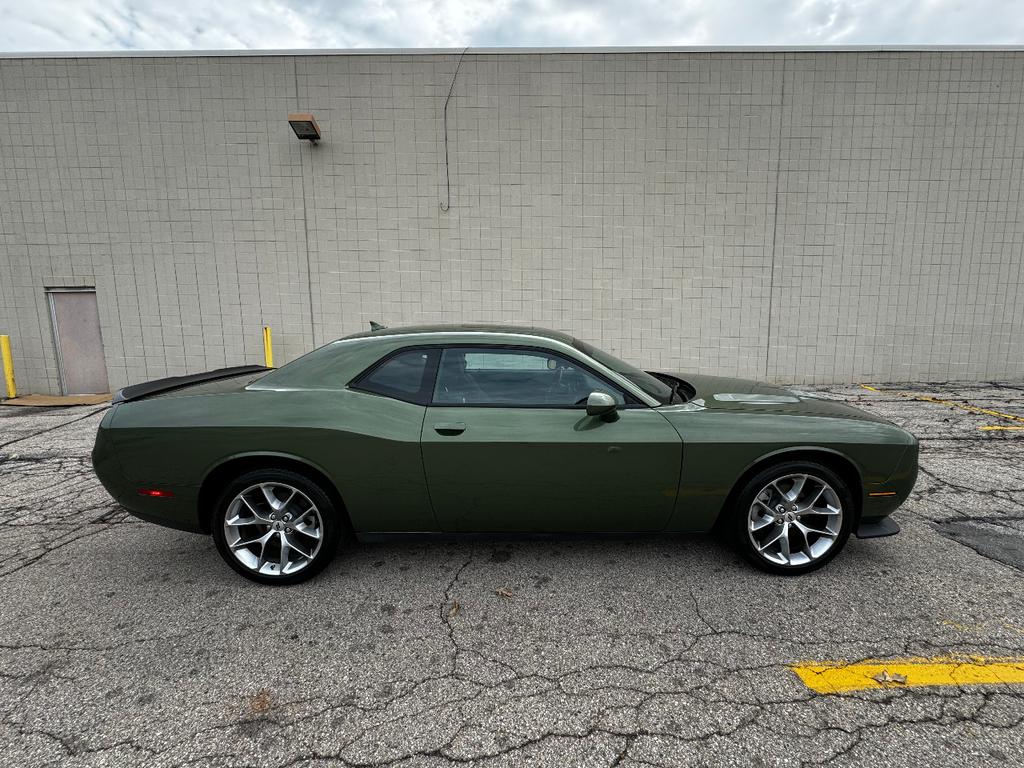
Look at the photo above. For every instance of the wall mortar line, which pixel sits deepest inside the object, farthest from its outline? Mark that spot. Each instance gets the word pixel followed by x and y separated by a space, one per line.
pixel 305 212
pixel 775 220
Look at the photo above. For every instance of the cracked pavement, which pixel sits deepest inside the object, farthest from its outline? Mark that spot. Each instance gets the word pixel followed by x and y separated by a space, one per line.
pixel 123 644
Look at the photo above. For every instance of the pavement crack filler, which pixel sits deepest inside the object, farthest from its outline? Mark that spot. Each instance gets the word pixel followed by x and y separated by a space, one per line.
pixel 992 538
pixel 873 674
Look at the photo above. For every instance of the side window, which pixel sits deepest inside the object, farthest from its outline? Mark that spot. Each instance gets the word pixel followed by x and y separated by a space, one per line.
pixel 405 376
pixel 515 377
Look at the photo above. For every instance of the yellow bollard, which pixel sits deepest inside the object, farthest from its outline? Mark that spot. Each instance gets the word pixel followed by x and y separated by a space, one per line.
pixel 5 353
pixel 268 348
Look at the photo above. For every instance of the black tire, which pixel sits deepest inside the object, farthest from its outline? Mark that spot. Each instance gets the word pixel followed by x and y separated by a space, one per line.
pixel 330 524
pixel 738 523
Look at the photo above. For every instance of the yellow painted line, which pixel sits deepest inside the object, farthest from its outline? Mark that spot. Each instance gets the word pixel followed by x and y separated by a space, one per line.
pixel 970 408
pixel 999 427
pixel 983 625
pixel 962 406
pixel 840 677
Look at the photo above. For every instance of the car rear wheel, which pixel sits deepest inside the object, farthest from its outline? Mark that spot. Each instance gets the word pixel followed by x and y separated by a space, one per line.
pixel 276 526
pixel 792 517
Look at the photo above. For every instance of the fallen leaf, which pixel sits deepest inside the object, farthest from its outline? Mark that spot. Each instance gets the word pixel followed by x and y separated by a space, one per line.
pixel 260 703
pixel 453 611
pixel 504 592
pixel 886 677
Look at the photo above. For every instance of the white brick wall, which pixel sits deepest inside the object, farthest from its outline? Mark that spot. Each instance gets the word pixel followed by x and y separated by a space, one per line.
pixel 795 216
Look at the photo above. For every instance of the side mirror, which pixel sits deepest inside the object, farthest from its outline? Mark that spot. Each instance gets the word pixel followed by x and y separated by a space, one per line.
pixel 600 404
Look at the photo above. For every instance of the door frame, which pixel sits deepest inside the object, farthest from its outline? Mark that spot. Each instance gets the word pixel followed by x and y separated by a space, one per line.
pixel 53 323
pixel 631 400
pixel 633 409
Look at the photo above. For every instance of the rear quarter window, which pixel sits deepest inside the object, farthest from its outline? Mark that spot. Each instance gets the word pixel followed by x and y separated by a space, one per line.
pixel 406 375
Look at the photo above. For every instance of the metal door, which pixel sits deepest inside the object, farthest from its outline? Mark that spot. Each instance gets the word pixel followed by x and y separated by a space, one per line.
pixel 507 445
pixel 76 331
pixel 550 470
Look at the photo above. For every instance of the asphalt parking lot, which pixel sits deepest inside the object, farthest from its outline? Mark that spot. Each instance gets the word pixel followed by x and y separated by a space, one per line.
pixel 126 644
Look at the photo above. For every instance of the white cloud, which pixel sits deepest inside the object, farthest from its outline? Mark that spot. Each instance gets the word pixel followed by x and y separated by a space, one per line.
pixel 55 25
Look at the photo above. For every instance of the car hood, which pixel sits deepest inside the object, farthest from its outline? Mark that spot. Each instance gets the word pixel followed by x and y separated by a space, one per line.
pixel 744 395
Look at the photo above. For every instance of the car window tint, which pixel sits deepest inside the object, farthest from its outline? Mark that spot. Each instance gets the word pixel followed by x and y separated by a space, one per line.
pixel 403 376
pixel 514 377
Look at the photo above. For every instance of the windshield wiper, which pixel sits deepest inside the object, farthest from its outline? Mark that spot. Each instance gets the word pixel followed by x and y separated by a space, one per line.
pixel 676 395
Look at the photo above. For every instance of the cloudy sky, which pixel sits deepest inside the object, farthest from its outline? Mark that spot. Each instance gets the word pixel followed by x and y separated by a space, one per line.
pixel 78 25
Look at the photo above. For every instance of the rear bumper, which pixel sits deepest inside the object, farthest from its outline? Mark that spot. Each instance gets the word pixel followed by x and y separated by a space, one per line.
pixel 179 511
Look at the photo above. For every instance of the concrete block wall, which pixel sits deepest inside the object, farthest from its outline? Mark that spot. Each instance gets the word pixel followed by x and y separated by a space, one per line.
pixel 800 216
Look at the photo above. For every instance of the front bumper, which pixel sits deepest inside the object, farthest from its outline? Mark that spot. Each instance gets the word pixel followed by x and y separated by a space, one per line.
pixel 882 499
pixel 873 529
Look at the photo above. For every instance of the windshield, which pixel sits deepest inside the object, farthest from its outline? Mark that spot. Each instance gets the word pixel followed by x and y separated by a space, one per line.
pixel 659 390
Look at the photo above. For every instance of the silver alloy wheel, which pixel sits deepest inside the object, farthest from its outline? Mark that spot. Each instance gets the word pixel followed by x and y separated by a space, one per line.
pixel 273 529
pixel 795 519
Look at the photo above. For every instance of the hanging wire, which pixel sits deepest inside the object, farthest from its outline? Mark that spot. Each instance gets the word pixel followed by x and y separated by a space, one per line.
pixel 447 177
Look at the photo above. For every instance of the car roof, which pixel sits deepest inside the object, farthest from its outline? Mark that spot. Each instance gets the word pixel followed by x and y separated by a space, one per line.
pixel 509 330
pixel 343 359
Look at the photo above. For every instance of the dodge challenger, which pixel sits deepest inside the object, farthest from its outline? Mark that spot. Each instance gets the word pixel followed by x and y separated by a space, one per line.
pixel 493 430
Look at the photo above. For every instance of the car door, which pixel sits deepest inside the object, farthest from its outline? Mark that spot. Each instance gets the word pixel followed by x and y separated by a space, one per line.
pixel 508 446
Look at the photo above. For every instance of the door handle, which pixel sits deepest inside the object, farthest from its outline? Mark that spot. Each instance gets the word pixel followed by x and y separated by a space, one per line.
pixel 450 428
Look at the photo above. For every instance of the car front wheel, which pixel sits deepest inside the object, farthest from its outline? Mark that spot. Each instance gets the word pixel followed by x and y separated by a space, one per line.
pixel 793 517
pixel 276 526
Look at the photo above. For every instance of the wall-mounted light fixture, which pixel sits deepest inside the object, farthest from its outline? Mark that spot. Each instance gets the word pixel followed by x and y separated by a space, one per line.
pixel 305 127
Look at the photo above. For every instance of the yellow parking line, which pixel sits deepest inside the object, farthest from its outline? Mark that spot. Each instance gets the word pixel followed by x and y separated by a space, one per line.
pixel 993 428
pixel 962 406
pixel 840 677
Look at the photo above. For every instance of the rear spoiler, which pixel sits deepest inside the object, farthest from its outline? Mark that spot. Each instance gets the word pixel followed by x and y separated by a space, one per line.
pixel 138 391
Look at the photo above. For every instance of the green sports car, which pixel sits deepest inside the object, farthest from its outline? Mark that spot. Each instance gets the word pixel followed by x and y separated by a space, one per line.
pixel 468 430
